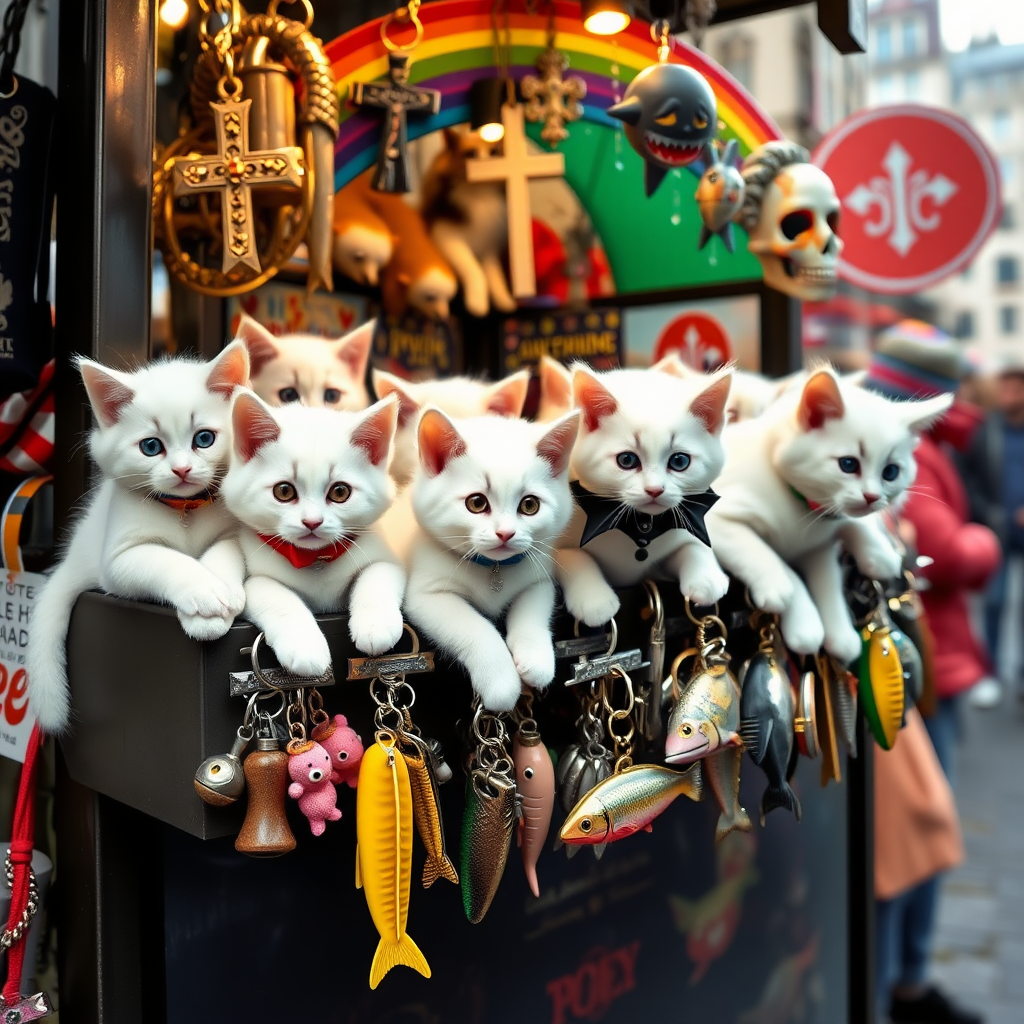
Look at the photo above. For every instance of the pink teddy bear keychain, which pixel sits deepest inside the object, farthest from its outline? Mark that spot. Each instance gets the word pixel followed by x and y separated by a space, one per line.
pixel 309 766
pixel 344 746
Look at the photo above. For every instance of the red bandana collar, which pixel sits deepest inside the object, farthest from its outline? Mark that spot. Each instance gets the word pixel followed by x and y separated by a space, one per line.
pixel 303 558
pixel 200 500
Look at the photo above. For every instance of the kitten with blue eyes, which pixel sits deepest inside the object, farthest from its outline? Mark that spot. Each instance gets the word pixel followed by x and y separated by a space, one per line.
pixel 813 471
pixel 308 369
pixel 648 451
pixel 155 529
pixel 308 485
pixel 488 524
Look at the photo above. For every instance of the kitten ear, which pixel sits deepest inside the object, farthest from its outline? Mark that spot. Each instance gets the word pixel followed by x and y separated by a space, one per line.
pixel 674 367
pixel 354 349
pixel 107 390
pixel 709 405
pixel 820 401
pixel 230 370
pixel 591 396
pixel 556 382
pixel 385 384
pixel 439 441
pixel 555 446
pixel 252 425
pixel 919 416
pixel 259 343
pixel 377 431
pixel 508 396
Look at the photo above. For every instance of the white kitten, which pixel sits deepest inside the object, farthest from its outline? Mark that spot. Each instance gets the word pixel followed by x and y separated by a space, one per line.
pixel 650 447
pixel 153 530
pixel 491 498
pixel 307 369
pixel 308 485
pixel 555 390
pixel 461 397
pixel 811 471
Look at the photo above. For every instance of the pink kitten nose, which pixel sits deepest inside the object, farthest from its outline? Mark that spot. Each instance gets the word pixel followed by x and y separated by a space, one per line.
pixel 504 535
pixel 311 524
pixel 654 492
pixel 871 498
pixel 182 472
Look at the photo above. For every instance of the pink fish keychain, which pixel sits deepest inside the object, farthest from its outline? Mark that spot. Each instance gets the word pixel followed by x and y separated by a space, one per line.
pixel 535 785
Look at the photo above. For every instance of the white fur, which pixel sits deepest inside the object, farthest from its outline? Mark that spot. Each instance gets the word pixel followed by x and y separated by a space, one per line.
pixel 132 546
pixel 313 450
pixel 450 597
pixel 761 531
pixel 653 419
pixel 312 367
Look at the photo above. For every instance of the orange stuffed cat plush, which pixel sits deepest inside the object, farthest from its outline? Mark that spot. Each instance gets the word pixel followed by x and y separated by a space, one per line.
pixel 362 242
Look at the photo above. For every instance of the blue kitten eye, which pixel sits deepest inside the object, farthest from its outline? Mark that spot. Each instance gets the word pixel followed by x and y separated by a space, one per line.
pixel 848 464
pixel 203 439
pixel 628 460
pixel 151 446
pixel 288 395
pixel 890 472
pixel 332 395
pixel 678 461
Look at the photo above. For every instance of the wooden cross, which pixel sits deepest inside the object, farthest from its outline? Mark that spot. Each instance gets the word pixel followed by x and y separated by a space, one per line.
pixel 399 99
pixel 515 167
pixel 552 98
pixel 235 172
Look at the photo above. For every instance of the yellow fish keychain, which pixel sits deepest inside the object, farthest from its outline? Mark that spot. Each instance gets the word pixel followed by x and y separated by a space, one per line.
pixel 881 678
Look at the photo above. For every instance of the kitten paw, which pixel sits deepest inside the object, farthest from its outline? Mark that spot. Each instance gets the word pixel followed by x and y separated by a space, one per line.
pixel 302 652
pixel 705 587
pixel 593 606
pixel 805 635
pixel 475 296
pixel 210 597
pixel 844 646
pixel 375 630
pixel 772 595
pixel 201 627
pixel 880 563
pixel 499 688
pixel 534 658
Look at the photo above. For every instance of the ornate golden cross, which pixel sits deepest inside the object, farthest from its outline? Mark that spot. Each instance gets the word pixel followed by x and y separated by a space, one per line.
pixel 552 98
pixel 235 172
pixel 515 167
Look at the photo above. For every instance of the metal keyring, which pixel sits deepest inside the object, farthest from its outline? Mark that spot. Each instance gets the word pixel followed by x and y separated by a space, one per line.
pixel 14 89
pixel 272 10
pixel 614 631
pixel 257 671
pixel 406 15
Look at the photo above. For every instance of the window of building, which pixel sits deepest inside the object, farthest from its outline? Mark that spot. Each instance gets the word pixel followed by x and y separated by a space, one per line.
pixel 964 326
pixel 1001 124
pixel 883 42
pixel 1007 171
pixel 1008 319
pixel 1007 270
pixel 737 57
pixel 912 85
pixel 886 89
pixel 1006 220
pixel 910 37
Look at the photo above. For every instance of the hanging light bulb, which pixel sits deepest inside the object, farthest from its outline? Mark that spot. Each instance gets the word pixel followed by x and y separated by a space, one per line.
pixel 485 98
pixel 606 17
pixel 174 13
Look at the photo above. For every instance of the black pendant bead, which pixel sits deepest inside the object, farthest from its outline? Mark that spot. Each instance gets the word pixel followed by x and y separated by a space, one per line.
pixel 641 555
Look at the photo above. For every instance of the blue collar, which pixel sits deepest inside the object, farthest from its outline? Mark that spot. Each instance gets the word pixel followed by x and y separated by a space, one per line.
pixel 490 563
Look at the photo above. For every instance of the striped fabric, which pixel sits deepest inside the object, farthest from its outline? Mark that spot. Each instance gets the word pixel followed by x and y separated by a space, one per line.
pixel 26 428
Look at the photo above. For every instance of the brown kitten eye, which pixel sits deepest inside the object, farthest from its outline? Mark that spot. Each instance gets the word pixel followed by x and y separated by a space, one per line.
pixel 284 491
pixel 477 503
pixel 338 493
pixel 529 506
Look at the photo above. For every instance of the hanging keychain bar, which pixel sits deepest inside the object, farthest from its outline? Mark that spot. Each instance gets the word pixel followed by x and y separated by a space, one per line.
pixel 588 669
pixel 392 665
pixel 266 680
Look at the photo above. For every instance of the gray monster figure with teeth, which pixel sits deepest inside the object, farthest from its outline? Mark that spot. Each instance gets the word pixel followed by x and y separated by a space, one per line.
pixel 669 112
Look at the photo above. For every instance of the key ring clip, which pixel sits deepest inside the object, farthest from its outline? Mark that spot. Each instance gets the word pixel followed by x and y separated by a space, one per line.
pixel 404 15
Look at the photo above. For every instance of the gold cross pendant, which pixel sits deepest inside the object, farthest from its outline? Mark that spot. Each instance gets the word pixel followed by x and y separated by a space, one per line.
pixel 235 172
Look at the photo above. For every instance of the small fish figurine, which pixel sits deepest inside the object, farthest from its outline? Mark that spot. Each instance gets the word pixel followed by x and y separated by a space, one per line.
pixel 720 194
pixel 535 784
pixel 721 772
pixel 488 822
pixel 384 854
pixel 913 668
pixel 426 810
pixel 706 717
pixel 766 725
pixel 881 682
pixel 627 802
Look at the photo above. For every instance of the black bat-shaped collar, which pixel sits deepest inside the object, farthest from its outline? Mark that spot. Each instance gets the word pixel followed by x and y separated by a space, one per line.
pixel 604 514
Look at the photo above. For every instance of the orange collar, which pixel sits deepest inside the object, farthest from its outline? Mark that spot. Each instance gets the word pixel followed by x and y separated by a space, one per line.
pixel 200 500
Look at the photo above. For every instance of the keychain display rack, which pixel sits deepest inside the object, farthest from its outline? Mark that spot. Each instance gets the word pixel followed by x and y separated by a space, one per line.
pixel 152 894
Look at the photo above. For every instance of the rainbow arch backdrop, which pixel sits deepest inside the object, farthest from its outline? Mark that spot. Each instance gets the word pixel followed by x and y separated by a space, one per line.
pixel 458 47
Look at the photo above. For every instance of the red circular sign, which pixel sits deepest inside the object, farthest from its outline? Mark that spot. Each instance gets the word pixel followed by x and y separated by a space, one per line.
pixel 698 339
pixel 919 191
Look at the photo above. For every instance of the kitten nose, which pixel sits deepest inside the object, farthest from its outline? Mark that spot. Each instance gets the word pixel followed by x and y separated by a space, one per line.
pixel 871 498
pixel 504 535
pixel 311 524
pixel 655 492
pixel 182 472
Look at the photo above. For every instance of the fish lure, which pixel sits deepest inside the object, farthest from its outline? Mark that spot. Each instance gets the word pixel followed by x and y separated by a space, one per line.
pixel 535 784
pixel 488 821
pixel 881 680
pixel 384 854
pixel 426 809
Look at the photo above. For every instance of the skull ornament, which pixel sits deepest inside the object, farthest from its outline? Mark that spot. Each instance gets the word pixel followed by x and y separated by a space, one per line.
pixel 791 212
